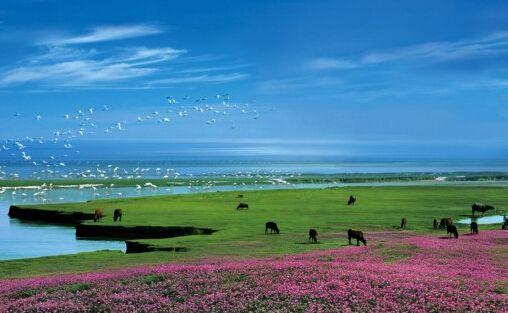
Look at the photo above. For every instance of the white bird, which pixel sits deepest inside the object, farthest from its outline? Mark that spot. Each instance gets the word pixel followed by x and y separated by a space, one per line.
pixel 25 156
pixel 20 145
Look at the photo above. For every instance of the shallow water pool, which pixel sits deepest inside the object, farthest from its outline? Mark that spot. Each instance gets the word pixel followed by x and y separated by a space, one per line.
pixel 491 219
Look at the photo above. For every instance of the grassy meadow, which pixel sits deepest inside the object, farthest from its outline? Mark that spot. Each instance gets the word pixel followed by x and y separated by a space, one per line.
pixel 240 234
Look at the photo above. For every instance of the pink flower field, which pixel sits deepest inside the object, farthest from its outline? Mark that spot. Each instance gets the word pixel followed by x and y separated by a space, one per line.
pixel 393 274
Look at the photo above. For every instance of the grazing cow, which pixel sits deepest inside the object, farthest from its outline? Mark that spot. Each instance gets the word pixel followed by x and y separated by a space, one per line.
pixel 352 200
pixel 445 222
pixel 313 235
pixel 403 222
pixel 356 234
pixel 505 224
pixel 452 229
pixel 474 228
pixel 242 206
pixel 239 196
pixel 480 207
pixel 117 215
pixel 98 215
pixel 272 226
pixel 435 224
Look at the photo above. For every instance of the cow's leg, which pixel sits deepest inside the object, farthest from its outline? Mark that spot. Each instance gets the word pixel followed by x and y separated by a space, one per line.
pixel 357 242
pixel 349 239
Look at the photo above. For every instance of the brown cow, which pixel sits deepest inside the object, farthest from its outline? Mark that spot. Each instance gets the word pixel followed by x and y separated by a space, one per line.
pixel 403 222
pixel 117 215
pixel 313 235
pixel 98 215
pixel 445 222
pixel 356 234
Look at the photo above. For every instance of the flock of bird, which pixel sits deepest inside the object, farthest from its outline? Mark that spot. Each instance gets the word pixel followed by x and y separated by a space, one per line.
pixel 63 145
pixel 50 192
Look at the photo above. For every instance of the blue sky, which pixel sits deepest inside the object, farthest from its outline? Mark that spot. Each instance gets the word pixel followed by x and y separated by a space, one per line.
pixel 378 71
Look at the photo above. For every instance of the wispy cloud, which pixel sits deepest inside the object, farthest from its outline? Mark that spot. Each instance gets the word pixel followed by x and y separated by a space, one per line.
pixel 493 44
pixel 84 71
pixel 330 64
pixel 71 61
pixel 105 33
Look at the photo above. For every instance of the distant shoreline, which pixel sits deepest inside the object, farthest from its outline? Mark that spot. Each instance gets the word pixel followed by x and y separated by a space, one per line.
pixel 225 180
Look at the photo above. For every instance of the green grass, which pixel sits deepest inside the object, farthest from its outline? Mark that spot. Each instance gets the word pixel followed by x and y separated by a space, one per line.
pixel 241 233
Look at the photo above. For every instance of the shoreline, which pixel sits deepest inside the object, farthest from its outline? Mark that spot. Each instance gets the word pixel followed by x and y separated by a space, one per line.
pixel 225 180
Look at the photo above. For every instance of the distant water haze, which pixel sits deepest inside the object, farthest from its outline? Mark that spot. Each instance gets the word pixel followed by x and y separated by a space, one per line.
pixel 271 156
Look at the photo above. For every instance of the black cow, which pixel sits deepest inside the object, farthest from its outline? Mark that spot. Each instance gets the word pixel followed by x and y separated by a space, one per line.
pixel 443 224
pixel 117 215
pixel 480 207
pixel 435 224
pixel 356 234
pixel 352 200
pixel 272 226
pixel 403 222
pixel 242 206
pixel 313 235
pixel 451 229
pixel 474 228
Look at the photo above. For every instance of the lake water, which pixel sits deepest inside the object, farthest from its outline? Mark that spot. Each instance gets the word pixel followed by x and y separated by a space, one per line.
pixel 122 158
pixel 26 239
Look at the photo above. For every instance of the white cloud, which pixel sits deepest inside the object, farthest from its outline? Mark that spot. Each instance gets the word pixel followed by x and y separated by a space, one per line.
pixel 493 44
pixel 83 71
pixel 105 33
pixel 63 62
